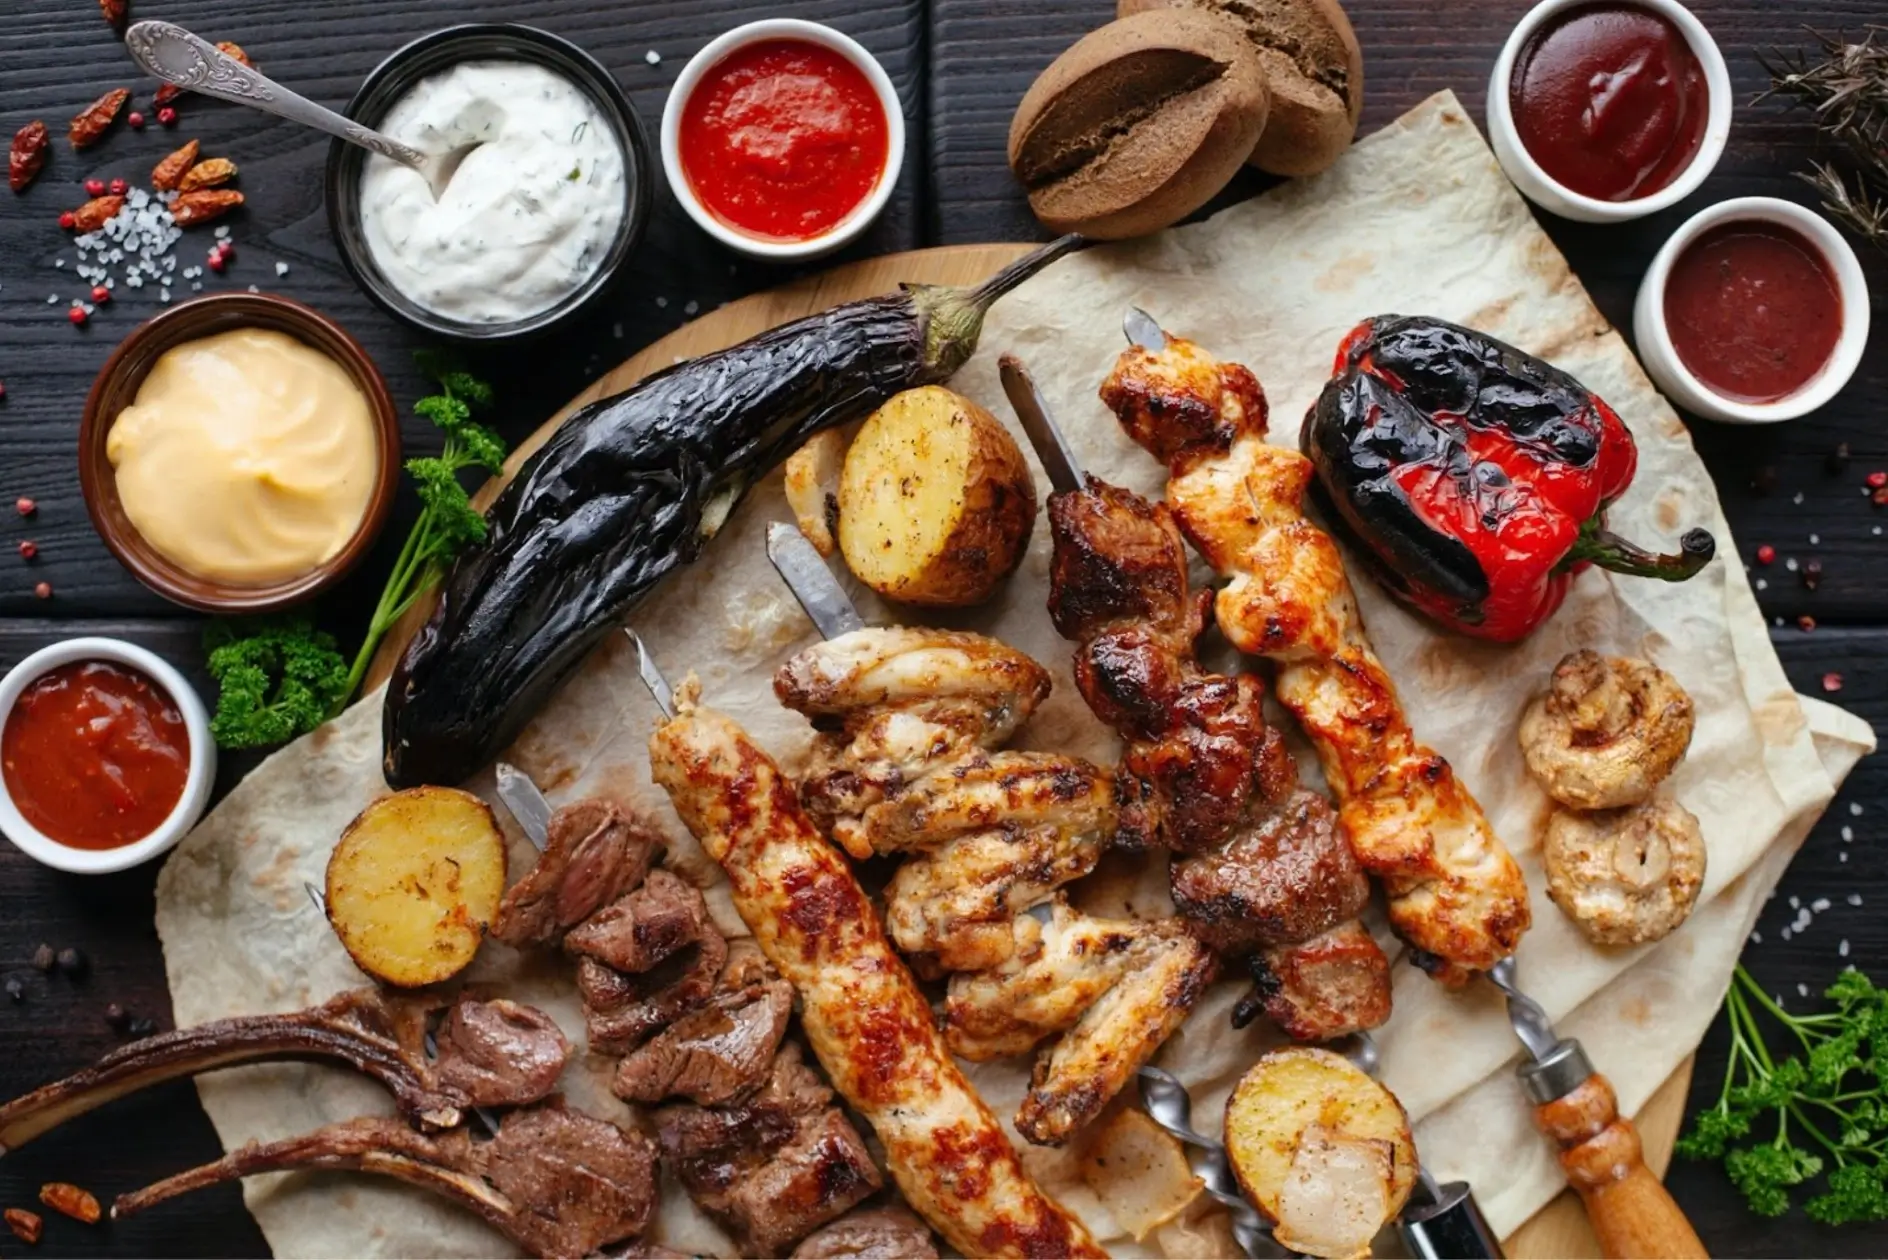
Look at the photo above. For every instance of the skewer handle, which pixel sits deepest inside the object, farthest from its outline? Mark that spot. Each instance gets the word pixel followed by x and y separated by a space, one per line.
pixel 1631 1211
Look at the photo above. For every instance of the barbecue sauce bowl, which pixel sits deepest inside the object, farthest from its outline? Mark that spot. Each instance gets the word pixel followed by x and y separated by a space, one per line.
pixel 1673 137
pixel 130 673
pixel 1755 311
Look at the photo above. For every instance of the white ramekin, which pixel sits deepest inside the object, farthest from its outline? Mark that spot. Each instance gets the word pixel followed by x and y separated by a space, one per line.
pixel 1549 194
pixel 35 843
pixel 814 33
pixel 1654 338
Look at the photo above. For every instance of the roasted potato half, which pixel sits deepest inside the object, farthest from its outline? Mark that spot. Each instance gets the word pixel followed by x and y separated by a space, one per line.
pixel 414 883
pixel 1321 1149
pixel 812 485
pixel 935 500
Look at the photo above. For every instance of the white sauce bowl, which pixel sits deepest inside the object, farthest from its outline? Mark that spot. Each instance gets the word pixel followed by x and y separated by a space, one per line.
pixel 198 781
pixel 841 233
pixel 1654 337
pixel 1551 195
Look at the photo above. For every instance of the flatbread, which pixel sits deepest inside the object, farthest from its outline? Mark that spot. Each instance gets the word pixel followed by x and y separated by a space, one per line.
pixel 1415 219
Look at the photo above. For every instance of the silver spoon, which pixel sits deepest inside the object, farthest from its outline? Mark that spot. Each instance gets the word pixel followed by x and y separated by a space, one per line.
pixel 174 55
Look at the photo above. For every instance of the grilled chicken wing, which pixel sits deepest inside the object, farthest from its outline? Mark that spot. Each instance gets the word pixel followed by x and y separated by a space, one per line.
pixel 864 1017
pixel 1454 890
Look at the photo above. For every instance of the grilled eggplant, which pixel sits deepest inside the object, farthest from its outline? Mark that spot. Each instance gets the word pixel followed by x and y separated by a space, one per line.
pixel 630 489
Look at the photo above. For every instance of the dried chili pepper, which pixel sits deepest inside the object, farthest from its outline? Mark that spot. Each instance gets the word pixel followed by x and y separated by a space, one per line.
pixel 89 127
pixel 28 155
pixel 167 174
pixel 96 213
pixel 65 1198
pixel 201 206
pixel 26 1226
pixel 207 174
pixel 115 11
pixel 1475 476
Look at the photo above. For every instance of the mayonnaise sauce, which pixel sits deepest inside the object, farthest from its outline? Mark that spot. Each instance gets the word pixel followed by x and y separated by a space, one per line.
pixel 246 458
pixel 528 216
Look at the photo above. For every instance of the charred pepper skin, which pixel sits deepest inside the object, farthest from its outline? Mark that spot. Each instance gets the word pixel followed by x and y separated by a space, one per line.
pixel 1474 476
pixel 630 489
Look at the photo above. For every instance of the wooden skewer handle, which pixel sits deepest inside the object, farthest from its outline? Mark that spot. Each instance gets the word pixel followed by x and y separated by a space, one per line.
pixel 1631 1211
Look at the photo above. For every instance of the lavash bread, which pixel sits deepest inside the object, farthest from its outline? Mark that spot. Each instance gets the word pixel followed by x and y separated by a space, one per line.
pixel 1138 124
pixel 1313 67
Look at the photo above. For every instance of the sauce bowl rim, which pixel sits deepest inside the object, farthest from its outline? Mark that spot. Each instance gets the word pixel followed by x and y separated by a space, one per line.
pixel 1543 189
pixel 1654 339
pixel 712 53
pixel 124 372
pixel 198 780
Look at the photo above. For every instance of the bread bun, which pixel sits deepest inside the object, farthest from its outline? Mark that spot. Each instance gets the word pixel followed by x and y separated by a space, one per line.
pixel 1313 66
pixel 1138 124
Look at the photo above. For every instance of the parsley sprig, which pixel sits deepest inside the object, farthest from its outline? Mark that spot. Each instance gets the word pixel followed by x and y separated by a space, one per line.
pixel 1782 1120
pixel 276 678
pixel 448 521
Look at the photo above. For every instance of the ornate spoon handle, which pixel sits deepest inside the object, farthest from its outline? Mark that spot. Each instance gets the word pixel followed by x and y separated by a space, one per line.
pixel 174 55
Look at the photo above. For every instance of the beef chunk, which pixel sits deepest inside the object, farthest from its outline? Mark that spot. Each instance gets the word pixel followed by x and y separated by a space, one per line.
pixel 888 1233
pixel 639 930
pixel 1290 877
pixel 1327 987
pixel 500 1054
pixel 715 1054
pixel 822 1172
pixel 595 853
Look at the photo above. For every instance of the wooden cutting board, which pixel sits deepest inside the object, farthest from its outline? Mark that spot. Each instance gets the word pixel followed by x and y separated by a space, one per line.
pixel 1559 1230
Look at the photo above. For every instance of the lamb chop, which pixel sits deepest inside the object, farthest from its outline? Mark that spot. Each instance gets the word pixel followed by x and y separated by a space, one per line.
pixel 1261 870
pixel 490 1054
pixel 555 1181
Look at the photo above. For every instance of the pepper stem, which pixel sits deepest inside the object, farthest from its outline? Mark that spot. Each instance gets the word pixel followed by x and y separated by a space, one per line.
pixel 953 314
pixel 1614 554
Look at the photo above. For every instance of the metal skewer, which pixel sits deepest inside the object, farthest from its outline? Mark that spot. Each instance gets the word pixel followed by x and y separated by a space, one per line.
pixel 659 689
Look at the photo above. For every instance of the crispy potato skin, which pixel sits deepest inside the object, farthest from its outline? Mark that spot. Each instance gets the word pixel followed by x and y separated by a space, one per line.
pixel 1289 1090
pixel 414 883
pixel 812 486
pixel 936 502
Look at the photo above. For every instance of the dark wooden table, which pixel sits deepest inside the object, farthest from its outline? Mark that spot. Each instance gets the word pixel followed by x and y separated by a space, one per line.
pixel 960 66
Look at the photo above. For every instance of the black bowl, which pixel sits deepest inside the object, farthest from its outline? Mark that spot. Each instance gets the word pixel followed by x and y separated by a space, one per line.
pixel 396 76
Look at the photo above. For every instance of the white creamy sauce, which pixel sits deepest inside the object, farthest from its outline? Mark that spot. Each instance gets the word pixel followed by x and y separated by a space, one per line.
pixel 528 216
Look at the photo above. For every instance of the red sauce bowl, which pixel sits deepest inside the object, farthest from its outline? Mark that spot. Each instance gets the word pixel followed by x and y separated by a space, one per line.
pixel 1664 358
pixel 1532 178
pixel 679 126
pixel 198 779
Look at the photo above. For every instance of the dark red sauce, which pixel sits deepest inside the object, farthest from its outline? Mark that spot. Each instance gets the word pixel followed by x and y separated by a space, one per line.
pixel 1610 100
pixel 1753 310
pixel 783 139
pixel 95 755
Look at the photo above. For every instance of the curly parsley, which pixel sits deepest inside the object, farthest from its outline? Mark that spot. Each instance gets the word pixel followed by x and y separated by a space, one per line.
pixel 276 678
pixel 1832 1096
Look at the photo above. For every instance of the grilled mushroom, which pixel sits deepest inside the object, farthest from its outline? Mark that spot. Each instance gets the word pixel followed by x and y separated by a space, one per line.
pixel 1607 732
pixel 1626 876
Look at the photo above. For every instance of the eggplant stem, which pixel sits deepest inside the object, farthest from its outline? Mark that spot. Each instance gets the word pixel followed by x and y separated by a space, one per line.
pixel 953 315
pixel 1611 552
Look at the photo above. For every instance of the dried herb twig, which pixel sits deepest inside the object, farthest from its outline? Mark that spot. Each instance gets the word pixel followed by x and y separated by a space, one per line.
pixel 1847 87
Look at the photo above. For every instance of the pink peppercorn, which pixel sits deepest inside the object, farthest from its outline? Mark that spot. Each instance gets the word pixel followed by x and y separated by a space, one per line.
pixel 95 188
pixel 25 506
pixel 136 120
pixel 118 187
pixel 100 293
pixel 28 549
pixel 1832 682
pixel 167 116
pixel 1766 554
pixel 43 590
pixel 77 315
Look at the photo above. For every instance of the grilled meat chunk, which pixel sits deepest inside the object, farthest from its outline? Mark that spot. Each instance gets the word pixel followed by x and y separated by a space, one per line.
pixel 1289 877
pixel 596 852
pixel 862 1013
pixel 776 1165
pixel 496 1055
pixel 642 928
pixel 556 1182
pixel 1454 890
pixel 1318 990
pixel 623 1011
pixel 888 1233
pixel 715 1053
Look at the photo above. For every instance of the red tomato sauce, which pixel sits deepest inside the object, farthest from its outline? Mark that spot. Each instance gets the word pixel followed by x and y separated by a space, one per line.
pixel 783 139
pixel 95 755
pixel 1610 100
pixel 1753 310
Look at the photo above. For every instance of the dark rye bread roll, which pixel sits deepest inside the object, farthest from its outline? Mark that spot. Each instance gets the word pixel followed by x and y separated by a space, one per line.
pixel 1138 124
pixel 1313 66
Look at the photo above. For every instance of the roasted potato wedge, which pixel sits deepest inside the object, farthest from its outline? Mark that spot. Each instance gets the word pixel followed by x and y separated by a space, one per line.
pixel 414 883
pixel 935 500
pixel 1321 1149
pixel 813 488
pixel 1139 1172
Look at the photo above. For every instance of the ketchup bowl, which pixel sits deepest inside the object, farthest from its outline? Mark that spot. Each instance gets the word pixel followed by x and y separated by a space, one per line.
pixel 1668 180
pixel 713 69
pixel 1792 329
pixel 135 674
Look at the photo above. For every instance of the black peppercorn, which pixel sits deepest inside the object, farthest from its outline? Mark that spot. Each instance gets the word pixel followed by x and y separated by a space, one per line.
pixel 142 1027
pixel 116 1017
pixel 1812 574
pixel 1837 460
pixel 43 958
pixel 72 962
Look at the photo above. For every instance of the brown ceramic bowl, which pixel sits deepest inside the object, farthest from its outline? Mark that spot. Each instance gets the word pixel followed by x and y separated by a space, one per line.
pixel 117 388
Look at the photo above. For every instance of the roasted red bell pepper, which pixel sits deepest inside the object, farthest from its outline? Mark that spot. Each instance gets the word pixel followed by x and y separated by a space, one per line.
pixel 1474 476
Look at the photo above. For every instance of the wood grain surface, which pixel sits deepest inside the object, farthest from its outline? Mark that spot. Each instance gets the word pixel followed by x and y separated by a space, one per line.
pixel 960 65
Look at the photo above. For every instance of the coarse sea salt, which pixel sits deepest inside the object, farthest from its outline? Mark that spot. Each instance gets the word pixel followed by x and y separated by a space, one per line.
pixel 1842 947
pixel 1819 905
pixel 1855 899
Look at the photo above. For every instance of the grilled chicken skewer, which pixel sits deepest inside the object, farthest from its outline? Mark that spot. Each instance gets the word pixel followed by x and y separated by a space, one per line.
pixel 556 1182
pixel 863 1015
pixel 993 836
pixel 1260 869
pixel 1454 890
pixel 488 1054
